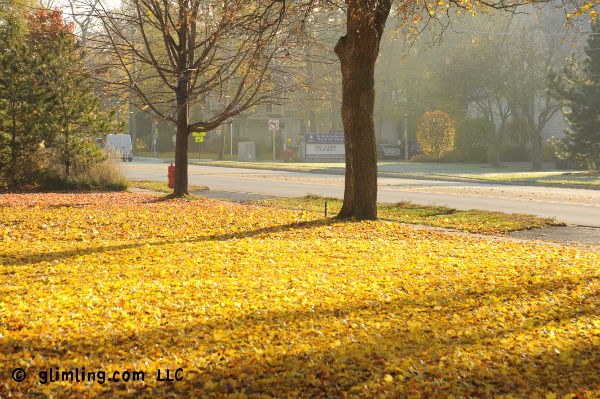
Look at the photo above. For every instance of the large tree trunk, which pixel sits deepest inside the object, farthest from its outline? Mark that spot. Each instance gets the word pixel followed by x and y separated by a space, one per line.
pixel 536 149
pixel 358 52
pixel 183 106
pixel 181 162
pixel 181 144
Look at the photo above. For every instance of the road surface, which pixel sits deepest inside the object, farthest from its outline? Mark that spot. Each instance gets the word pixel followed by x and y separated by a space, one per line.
pixel 574 206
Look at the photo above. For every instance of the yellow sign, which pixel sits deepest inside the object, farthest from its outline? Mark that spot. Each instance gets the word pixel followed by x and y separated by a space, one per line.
pixel 199 139
pixel 198 134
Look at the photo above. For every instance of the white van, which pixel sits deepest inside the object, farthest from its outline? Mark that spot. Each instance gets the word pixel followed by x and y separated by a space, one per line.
pixel 119 145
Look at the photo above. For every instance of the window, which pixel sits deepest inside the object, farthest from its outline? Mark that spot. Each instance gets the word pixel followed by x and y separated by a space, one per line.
pixel 269 107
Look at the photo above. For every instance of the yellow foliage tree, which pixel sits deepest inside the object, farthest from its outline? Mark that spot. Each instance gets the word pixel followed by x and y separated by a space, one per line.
pixel 436 132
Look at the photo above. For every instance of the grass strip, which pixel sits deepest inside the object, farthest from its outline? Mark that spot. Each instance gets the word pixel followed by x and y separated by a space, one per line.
pixel 161 186
pixel 471 221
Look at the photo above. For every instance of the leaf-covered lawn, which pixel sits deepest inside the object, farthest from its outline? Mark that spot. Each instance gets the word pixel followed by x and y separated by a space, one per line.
pixel 473 221
pixel 256 302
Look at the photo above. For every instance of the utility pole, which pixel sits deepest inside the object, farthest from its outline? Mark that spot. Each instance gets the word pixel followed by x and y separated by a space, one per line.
pixel 131 115
pixel 228 94
pixel 406 136
pixel 224 125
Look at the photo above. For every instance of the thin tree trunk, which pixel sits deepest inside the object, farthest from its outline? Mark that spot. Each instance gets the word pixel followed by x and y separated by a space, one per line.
pixel 13 141
pixel 67 155
pixel 498 139
pixel 536 149
pixel 358 52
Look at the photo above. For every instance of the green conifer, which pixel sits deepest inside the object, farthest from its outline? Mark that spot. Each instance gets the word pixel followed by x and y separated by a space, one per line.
pixel 577 89
pixel 24 102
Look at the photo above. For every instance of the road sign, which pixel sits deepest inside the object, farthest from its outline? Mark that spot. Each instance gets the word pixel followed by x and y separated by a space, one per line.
pixel 274 124
pixel 199 134
pixel 199 139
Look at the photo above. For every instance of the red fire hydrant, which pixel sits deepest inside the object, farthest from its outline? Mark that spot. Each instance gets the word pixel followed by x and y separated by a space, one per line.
pixel 171 175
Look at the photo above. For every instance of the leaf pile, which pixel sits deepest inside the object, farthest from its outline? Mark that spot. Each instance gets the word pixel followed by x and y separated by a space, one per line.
pixel 472 221
pixel 256 302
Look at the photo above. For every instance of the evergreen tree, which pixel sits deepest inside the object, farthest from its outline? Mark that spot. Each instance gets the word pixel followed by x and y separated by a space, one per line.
pixel 76 114
pixel 577 89
pixel 24 102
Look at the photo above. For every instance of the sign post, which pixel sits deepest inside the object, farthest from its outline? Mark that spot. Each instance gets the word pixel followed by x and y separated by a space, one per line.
pixel 199 138
pixel 154 137
pixel 274 125
pixel 405 136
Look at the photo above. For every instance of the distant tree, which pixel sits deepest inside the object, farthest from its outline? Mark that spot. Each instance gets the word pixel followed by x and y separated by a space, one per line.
pixel 435 132
pixel 577 89
pixel 24 101
pixel 481 90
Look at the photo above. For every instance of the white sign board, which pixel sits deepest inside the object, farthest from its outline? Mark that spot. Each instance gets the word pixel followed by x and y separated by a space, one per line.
pixel 274 124
pixel 325 146
pixel 325 151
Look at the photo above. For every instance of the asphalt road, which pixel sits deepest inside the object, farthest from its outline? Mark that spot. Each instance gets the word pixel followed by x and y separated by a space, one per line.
pixel 573 206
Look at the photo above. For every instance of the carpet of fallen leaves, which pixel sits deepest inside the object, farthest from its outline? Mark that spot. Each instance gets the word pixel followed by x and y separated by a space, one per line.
pixel 256 302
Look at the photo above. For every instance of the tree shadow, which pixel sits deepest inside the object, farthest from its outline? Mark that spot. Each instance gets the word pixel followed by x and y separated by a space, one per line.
pixel 61 255
pixel 285 354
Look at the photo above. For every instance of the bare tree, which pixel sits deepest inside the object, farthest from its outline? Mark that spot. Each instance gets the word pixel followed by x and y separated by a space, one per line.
pixel 534 48
pixel 82 13
pixel 197 63
pixel 481 89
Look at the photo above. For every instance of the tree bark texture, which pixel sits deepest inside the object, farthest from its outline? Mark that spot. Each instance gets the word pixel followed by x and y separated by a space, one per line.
pixel 181 143
pixel 183 108
pixel 358 51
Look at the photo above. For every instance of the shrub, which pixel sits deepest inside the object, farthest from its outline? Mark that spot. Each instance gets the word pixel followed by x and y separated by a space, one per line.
pixel 449 155
pixel 511 153
pixel 473 137
pixel 28 168
pixel 435 132
pixel 106 175
pixel 476 154
pixel 286 155
pixel 259 149
pixel 548 153
pixel 428 159
pixel 295 159
pixel 474 132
